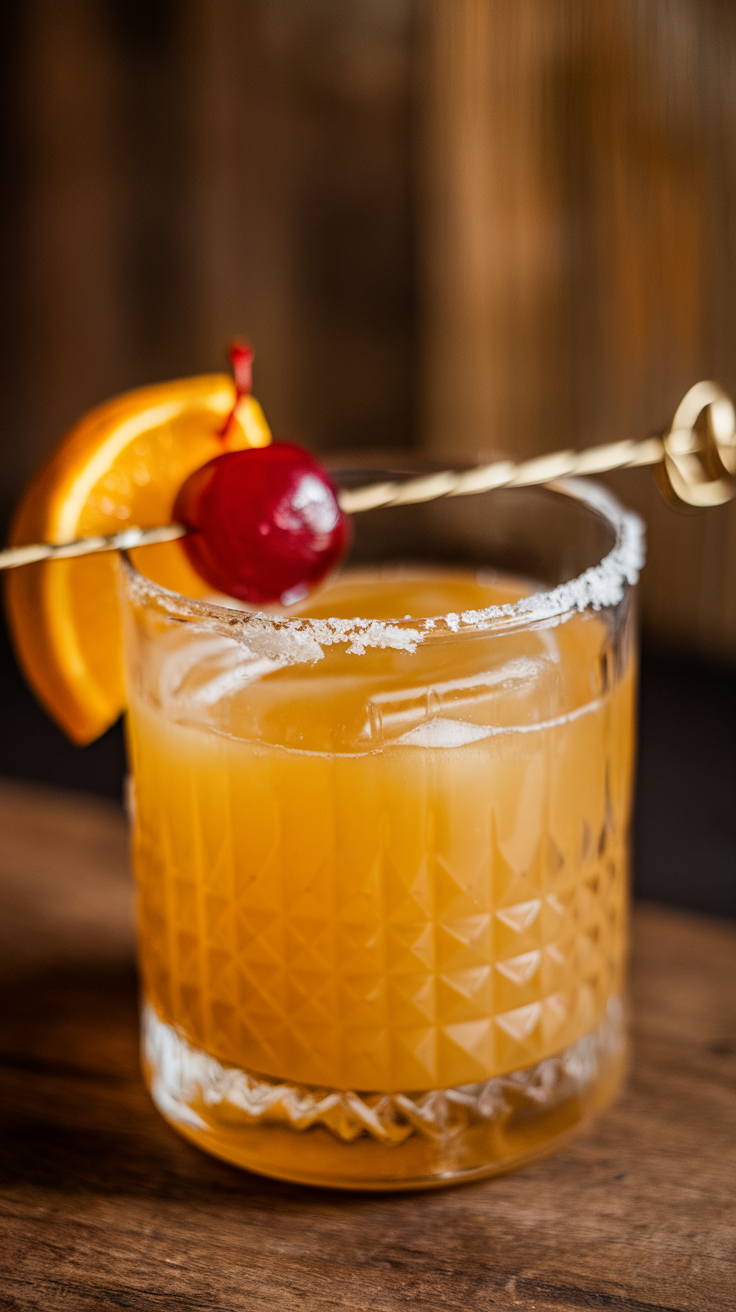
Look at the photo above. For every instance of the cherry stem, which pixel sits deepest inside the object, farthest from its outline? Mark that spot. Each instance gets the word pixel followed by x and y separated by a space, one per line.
pixel 241 358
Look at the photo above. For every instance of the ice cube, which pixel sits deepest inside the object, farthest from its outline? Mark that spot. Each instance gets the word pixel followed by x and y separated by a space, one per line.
pixel 440 732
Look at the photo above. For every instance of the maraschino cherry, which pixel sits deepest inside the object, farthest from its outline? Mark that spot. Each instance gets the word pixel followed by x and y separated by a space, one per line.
pixel 264 524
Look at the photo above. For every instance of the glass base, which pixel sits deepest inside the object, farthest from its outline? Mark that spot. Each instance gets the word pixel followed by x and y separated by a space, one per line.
pixel 347 1140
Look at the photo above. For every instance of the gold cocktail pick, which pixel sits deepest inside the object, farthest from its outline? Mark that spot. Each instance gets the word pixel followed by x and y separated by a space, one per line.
pixel 695 466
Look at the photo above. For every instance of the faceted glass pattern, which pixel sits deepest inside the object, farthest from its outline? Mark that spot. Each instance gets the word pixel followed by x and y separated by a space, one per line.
pixel 405 919
pixel 382 863
pixel 193 1089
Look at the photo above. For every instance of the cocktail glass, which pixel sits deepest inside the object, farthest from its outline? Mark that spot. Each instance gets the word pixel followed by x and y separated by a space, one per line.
pixel 382 862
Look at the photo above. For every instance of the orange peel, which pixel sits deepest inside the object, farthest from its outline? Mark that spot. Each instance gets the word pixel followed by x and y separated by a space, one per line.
pixel 120 466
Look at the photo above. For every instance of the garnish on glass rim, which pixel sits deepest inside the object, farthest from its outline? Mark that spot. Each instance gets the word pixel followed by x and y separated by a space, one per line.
pixel 695 465
pixel 121 464
pixel 126 462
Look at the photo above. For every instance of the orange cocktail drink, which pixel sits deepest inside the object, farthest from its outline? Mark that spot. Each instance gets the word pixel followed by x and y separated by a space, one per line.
pixel 382 861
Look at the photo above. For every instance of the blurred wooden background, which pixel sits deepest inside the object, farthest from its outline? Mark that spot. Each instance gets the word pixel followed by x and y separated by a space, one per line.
pixel 579 254
pixel 182 170
pixel 462 225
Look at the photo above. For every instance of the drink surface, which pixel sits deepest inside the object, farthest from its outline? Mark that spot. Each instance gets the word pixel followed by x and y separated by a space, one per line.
pixel 395 870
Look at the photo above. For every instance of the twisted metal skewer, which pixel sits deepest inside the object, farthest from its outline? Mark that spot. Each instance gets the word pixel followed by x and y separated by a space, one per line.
pixel 504 473
pixel 124 541
pixel 695 464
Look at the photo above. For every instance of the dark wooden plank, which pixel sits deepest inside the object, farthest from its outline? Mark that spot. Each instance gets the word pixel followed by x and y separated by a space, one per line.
pixel 102 1205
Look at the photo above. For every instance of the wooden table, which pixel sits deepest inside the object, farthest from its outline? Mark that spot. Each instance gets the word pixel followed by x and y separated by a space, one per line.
pixel 103 1206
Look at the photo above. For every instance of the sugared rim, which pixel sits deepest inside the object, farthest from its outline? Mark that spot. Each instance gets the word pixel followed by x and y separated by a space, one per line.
pixel 600 586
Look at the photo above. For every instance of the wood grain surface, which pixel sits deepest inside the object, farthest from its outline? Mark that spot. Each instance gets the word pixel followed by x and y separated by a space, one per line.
pixel 102 1205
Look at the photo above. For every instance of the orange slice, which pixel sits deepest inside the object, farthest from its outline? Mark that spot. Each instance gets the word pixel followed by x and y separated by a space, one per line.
pixel 120 466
